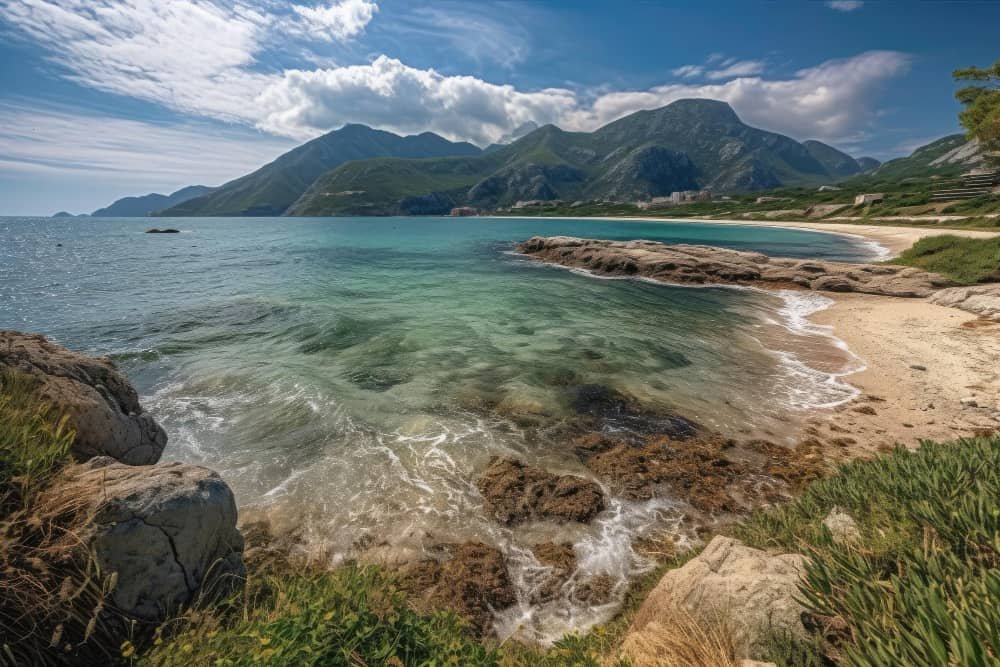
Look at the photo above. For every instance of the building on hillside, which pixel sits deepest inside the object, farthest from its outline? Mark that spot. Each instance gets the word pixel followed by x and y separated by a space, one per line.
pixel 869 198
pixel 687 196
pixel 767 199
pixel 655 202
pixel 463 211
pixel 525 203
pixel 828 188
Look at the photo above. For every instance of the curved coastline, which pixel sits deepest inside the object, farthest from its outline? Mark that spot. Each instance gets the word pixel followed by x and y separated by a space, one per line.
pixel 927 371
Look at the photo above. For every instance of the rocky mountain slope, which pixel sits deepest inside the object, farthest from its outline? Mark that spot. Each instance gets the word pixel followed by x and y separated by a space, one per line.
pixel 274 187
pixel 948 156
pixel 138 207
pixel 686 145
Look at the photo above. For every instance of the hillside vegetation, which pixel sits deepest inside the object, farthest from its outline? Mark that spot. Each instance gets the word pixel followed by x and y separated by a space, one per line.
pixel 964 260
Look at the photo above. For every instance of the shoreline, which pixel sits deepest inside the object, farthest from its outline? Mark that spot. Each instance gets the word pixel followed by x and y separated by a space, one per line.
pixel 921 370
pixel 892 239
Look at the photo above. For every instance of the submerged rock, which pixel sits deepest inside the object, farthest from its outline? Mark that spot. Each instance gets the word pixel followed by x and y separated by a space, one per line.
pixel 166 532
pixel 560 559
pixel 168 230
pixel 102 407
pixel 706 265
pixel 517 492
pixel 749 591
pixel 473 582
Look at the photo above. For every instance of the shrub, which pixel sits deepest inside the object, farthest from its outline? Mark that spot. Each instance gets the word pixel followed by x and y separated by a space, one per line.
pixel 923 586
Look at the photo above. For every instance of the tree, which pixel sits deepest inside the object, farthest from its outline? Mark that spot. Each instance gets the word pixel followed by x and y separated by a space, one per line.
pixel 981 116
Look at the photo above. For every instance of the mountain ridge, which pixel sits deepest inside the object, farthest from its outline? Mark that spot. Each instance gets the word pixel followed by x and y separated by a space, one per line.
pixel 689 144
pixel 272 188
pixel 145 205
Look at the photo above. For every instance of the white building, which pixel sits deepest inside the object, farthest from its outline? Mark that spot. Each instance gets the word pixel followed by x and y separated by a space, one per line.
pixel 869 198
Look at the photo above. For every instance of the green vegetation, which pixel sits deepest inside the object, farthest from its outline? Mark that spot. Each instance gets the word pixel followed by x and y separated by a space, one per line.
pixel 34 442
pixel 922 585
pixel 981 116
pixel 964 260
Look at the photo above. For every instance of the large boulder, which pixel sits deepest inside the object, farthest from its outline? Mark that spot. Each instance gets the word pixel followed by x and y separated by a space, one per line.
pixel 516 492
pixel 103 408
pixel 167 530
pixel 747 590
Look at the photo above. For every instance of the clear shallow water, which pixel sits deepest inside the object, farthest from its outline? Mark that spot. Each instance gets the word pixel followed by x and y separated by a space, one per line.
pixel 352 376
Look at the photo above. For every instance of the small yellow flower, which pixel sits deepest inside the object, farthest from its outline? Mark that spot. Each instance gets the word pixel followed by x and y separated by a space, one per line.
pixel 127 649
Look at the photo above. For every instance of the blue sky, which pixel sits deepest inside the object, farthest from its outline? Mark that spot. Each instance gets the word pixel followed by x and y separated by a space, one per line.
pixel 105 98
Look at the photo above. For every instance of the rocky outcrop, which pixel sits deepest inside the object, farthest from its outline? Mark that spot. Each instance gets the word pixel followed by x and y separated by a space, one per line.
pixel 706 265
pixel 516 492
pixel 982 300
pixel 102 407
pixel 168 230
pixel 747 590
pixel 168 532
pixel 473 582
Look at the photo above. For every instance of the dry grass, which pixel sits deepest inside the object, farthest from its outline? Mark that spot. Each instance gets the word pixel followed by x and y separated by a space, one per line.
pixel 676 639
pixel 53 597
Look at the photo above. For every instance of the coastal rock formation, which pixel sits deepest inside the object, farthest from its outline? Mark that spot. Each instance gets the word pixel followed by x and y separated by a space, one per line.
pixel 517 492
pixel 749 591
pixel 103 408
pixel 473 582
pixel 983 300
pixel 166 532
pixel 706 265
pixel 168 230
pixel 560 561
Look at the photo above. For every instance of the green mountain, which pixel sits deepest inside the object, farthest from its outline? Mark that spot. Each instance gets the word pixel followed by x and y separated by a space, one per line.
pixel 947 157
pixel 138 207
pixel 274 187
pixel 869 163
pixel 686 145
pixel 836 162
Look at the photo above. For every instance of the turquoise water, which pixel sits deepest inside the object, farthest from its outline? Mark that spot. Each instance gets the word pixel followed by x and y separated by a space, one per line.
pixel 350 377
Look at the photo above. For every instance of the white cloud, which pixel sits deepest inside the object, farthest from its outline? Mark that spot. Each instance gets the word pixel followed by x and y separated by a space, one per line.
pixel 392 95
pixel 201 57
pixel 688 71
pixel 833 101
pixel 63 142
pixel 734 69
pixel 845 5
pixel 339 21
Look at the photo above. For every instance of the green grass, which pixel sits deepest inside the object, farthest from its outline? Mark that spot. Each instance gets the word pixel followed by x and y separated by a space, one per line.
pixel 922 587
pixel 34 442
pixel 964 260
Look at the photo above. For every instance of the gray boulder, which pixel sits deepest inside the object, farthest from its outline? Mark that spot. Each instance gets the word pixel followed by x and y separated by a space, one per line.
pixel 748 590
pixel 842 526
pixel 167 530
pixel 103 408
pixel 982 300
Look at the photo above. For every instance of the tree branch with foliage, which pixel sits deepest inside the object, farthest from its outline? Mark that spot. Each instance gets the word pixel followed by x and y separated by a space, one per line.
pixel 981 116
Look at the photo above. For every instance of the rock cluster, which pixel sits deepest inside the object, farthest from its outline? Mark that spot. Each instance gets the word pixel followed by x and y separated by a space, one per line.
pixel 517 492
pixel 706 265
pixel 473 582
pixel 164 532
pixel 103 408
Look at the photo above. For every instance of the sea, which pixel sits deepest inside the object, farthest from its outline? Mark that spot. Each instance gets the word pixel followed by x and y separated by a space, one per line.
pixel 351 377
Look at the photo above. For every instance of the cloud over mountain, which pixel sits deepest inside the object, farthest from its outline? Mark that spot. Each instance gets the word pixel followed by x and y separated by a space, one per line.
pixel 203 57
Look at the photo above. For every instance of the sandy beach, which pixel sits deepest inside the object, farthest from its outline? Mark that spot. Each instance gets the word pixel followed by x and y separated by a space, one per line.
pixel 925 367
